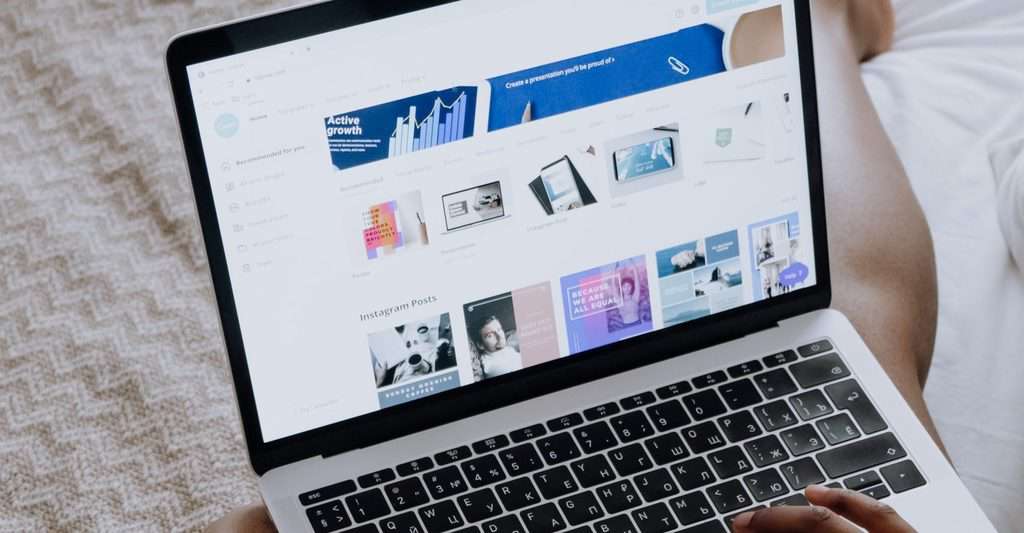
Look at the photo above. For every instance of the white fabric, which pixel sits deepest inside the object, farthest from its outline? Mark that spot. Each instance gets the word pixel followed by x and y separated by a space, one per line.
pixel 949 95
pixel 1008 169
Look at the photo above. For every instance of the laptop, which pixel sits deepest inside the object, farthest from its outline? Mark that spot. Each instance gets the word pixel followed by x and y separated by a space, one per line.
pixel 652 362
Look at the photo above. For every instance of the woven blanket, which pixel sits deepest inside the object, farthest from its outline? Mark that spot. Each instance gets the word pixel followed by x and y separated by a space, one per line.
pixel 116 406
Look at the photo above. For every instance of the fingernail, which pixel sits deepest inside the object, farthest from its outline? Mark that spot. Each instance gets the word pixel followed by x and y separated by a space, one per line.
pixel 817 490
pixel 743 520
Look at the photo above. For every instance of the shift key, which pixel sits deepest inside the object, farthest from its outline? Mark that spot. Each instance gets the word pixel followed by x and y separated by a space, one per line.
pixel 861 455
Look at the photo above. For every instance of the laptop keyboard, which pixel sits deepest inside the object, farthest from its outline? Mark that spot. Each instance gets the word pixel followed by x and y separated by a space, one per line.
pixel 688 456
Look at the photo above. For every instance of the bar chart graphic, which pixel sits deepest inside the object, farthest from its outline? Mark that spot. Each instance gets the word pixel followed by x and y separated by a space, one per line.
pixel 401 127
pixel 444 124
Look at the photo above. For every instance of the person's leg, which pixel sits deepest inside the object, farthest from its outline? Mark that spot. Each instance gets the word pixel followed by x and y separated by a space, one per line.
pixel 882 260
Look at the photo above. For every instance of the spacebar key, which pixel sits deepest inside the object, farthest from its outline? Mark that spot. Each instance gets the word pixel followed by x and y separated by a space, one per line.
pixel 861 455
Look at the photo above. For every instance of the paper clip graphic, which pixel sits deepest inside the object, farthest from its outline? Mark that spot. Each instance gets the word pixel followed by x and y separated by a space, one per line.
pixel 678 66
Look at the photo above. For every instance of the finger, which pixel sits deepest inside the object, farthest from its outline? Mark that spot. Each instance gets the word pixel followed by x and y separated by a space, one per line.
pixel 864 511
pixel 792 520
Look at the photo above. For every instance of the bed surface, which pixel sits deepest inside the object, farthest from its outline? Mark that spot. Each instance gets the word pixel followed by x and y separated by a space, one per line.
pixel 116 408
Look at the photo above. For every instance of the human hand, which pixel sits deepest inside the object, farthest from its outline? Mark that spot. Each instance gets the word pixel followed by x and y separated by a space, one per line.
pixel 833 512
pixel 250 519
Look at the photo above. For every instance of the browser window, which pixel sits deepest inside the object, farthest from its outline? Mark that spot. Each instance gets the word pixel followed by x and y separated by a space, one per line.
pixel 452 195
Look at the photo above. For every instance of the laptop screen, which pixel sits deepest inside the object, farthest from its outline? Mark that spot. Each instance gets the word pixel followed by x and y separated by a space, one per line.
pixel 449 196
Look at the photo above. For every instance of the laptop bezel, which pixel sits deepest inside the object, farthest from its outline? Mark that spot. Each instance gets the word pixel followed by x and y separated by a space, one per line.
pixel 303 21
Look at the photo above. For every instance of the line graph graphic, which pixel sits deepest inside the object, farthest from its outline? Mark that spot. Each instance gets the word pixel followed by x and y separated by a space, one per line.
pixel 444 124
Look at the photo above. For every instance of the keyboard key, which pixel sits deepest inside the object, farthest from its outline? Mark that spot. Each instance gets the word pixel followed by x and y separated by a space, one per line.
pixel 693 473
pixel 775 383
pixel 656 485
pixel 479 505
pixel 483 470
pixel 710 380
pixel 848 396
pixel 654 519
pixel 766 450
pixel 637 400
pixel 528 433
pixel 779 359
pixel 728 497
pixel 704 405
pixel 618 496
pixel 376 478
pixel 517 494
pixel 555 482
pixel 691 508
pixel 506 524
pixel 470 529
pixel 440 517
pixel 415 467
pixel 838 429
pixel 793 500
pixel 521 459
pixel 592 470
pixel 801 473
pixel 810 405
pixel 366 506
pixel 713 526
pixel 580 508
pixel 903 476
pixel 629 460
pixel 496 442
pixel 703 437
pixel 861 455
pixel 401 523
pixel 595 437
pixel 802 439
pixel 581 529
pixel 543 518
pixel 729 462
pixel 602 411
pixel 668 415
pixel 878 493
pixel 862 481
pixel 631 426
pixel 818 370
pixel 765 485
pixel 739 426
pixel 745 369
pixel 565 422
pixel 445 482
pixel 558 448
pixel 815 348
pixel 615 524
pixel 667 448
pixel 673 390
pixel 450 456
pixel 739 394
pixel 326 493
pixel 775 415
pixel 330 516
pixel 406 494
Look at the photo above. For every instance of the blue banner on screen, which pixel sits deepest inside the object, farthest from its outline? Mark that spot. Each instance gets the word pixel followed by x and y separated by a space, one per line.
pixel 599 77
pixel 401 127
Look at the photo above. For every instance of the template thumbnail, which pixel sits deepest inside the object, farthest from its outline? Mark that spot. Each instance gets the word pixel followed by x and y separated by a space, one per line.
pixel 414 359
pixel 473 206
pixel 511 331
pixel 644 160
pixel 778 263
pixel 733 135
pixel 561 188
pixel 606 304
pixel 401 127
pixel 392 226
pixel 699 278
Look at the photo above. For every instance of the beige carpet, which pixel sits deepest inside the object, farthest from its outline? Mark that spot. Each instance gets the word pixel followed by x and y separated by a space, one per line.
pixel 116 409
